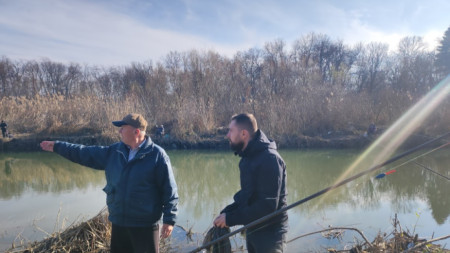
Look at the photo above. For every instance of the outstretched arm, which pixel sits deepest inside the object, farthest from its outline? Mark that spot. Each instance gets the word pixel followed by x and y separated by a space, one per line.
pixel 90 156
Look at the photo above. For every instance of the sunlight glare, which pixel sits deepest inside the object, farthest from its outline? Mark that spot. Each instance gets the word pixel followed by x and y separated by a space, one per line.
pixel 397 133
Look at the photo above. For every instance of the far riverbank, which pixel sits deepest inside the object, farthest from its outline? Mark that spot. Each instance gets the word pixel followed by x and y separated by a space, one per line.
pixel 333 140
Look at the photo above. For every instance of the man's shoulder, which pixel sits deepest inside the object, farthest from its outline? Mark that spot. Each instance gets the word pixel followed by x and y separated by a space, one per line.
pixel 159 149
pixel 268 157
pixel 116 145
pixel 150 146
pixel 268 153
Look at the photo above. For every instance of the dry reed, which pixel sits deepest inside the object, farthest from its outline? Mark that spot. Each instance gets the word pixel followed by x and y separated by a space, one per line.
pixel 91 236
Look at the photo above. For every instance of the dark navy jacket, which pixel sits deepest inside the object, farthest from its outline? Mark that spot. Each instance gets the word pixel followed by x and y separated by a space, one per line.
pixel 263 185
pixel 138 191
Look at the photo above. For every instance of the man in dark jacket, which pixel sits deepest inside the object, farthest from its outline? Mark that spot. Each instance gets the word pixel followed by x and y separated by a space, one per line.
pixel 3 126
pixel 140 185
pixel 263 187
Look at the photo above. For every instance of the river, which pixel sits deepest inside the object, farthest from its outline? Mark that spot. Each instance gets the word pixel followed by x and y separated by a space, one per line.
pixel 41 193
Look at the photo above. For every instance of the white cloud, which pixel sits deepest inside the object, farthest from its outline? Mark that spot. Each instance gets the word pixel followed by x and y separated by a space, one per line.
pixel 359 33
pixel 433 38
pixel 87 33
pixel 119 32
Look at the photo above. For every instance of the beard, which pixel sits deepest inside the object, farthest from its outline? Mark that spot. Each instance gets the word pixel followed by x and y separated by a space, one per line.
pixel 237 147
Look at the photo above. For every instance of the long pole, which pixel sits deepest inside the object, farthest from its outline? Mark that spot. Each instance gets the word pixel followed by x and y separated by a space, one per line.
pixel 317 194
pixel 425 167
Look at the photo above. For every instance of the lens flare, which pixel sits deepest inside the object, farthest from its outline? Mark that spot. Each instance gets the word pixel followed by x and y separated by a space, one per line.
pixel 396 134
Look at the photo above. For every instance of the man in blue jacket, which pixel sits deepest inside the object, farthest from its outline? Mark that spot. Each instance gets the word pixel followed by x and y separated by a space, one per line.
pixel 140 185
pixel 263 187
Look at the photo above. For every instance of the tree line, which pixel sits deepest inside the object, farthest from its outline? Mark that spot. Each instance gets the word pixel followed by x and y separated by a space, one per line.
pixel 315 86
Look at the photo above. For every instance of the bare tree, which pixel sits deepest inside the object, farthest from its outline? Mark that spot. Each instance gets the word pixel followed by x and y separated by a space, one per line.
pixel 370 66
pixel 52 76
pixel 317 86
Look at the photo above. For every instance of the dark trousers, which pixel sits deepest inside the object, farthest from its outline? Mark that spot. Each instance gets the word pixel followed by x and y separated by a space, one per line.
pixel 135 240
pixel 4 133
pixel 266 240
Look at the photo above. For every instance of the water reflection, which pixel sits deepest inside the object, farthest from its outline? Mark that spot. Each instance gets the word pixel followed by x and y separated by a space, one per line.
pixel 42 173
pixel 207 181
pixel 410 183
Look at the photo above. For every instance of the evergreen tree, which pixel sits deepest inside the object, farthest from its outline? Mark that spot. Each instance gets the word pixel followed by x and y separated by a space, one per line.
pixel 443 55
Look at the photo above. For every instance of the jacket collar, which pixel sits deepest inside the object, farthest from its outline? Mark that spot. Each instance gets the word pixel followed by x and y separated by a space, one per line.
pixel 259 143
pixel 145 147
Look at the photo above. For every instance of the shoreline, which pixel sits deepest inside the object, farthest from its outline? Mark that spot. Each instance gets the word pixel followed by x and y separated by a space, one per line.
pixel 93 235
pixel 338 140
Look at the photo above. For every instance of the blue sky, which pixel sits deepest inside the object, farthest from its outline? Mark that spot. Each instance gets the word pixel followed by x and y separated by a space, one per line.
pixel 118 32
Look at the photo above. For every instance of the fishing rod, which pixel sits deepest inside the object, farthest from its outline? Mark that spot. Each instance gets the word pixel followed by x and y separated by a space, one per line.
pixel 425 167
pixel 410 160
pixel 317 194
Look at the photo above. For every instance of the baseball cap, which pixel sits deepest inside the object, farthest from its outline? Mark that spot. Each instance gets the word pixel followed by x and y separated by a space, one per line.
pixel 133 119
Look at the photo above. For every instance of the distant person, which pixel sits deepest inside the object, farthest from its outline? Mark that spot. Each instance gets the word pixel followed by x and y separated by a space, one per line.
pixel 140 185
pixel 4 127
pixel 263 187
pixel 160 131
pixel 372 129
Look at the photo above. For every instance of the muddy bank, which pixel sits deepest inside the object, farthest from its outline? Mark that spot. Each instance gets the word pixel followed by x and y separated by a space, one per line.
pixel 330 140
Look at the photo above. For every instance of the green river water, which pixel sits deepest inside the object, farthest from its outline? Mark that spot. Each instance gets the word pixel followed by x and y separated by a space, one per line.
pixel 41 193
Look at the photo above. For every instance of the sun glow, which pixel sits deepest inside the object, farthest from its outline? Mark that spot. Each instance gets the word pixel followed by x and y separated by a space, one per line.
pixel 407 124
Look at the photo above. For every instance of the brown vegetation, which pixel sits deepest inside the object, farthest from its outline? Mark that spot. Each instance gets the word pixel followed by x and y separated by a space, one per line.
pixel 318 86
pixel 396 241
pixel 93 236
pixel 90 236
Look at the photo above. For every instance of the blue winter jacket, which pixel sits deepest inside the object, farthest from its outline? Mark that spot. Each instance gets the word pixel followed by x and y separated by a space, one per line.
pixel 138 191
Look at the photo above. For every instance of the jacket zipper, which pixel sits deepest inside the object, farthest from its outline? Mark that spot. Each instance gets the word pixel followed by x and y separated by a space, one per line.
pixel 126 181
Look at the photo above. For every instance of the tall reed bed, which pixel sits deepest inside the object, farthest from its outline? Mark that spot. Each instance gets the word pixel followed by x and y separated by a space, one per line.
pixel 58 115
pixel 313 113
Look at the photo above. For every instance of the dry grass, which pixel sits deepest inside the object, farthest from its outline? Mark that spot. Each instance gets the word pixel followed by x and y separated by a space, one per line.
pixel 396 241
pixel 57 115
pixel 316 113
pixel 91 236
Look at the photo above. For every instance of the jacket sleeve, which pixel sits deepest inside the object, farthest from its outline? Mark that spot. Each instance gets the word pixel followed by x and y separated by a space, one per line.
pixel 233 205
pixel 90 156
pixel 168 188
pixel 263 195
